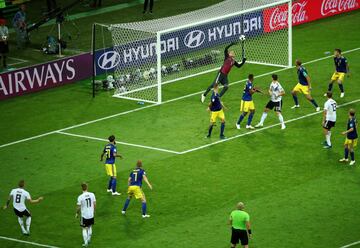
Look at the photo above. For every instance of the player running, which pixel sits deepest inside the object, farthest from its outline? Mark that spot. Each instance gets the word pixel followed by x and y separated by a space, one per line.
pixel 222 76
pixel 86 205
pixel 329 119
pixel 217 111
pixel 240 226
pixel 111 154
pixel 276 93
pixel 303 86
pixel 135 184
pixel 19 197
pixel 247 104
pixel 351 138
pixel 341 68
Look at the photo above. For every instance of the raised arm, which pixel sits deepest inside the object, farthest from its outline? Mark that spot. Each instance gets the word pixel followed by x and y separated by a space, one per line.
pixel 37 200
pixel 147 182
pixel 238 65
pixel 226 51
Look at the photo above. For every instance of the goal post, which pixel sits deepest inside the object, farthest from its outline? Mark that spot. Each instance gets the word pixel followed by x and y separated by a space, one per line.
pixel 161 51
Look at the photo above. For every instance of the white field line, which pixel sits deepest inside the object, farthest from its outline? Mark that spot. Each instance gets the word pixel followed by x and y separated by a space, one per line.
pixel 262 129
pixel 27 242
pixel 154 105
pixel 352 244
pixel 119 142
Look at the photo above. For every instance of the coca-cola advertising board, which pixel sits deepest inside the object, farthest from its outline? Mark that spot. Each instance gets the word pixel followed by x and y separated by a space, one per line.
pixel 304 11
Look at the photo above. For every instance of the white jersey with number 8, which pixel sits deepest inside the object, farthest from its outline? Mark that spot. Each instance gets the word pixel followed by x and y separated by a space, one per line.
pixel 86 201
pixel 330 107
pixel 19 197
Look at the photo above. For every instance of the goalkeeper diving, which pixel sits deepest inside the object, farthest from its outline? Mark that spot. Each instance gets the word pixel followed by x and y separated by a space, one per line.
pixel 222 76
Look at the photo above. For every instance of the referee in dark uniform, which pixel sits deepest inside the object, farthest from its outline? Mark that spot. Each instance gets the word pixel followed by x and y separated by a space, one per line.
pixel 240 226
pixel 146 3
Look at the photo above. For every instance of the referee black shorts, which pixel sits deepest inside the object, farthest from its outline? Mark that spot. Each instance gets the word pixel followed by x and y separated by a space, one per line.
pixel 238 235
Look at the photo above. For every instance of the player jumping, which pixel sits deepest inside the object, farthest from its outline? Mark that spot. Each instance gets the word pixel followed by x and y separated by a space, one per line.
pixel 135 183
pixel 303 86
pixel 329 119
pixel 222 76
pixel 276 92
pixel 19 197
pixel 247 103
pixel 86 205
pixel 217 111
pixel 351 138
pixel 341 68
pixel 111 153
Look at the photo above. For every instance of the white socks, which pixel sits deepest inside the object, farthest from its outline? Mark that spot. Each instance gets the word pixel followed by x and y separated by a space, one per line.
pixel 281 119
pixel 263 117
pixel 89 233
pixel 21 222
pixel 28 223
pixel 328 138
pixel 85 235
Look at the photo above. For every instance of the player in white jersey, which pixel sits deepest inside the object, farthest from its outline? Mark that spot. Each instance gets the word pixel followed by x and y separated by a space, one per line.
pixel 19 197
pixel 86 204
pixel 276 93
pixel 329 119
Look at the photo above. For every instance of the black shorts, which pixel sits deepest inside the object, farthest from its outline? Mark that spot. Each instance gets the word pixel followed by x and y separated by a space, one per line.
pixel 23 213
pixel 277 106
pixel 328 125
pixel 86 222
pixel 239 235
pixel 221 78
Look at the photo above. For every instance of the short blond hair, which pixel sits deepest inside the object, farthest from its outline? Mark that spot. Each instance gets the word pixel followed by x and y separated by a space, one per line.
pixel 240 206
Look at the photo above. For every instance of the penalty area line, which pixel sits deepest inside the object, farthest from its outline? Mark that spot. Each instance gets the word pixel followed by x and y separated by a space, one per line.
pixel 350 245
pixel 119 142
pixel 28 242
pixel 262 129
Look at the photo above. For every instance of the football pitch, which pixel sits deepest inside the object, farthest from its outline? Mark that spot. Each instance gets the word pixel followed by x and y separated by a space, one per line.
pixel 296 192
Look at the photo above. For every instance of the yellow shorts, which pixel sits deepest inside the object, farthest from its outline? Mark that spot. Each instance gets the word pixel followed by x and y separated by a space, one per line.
pixel 110 170
pixel 302 89
pixel 217 114
pixel 135 191
pixel 350 142
pixel 338 76
pixel 246 106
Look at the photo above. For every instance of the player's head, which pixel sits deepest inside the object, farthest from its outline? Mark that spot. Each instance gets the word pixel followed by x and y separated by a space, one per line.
pixel 329 94
pixel 23 7
pixel 251 77
pixel 22 183
pixel 274 77
pixel 352 113
pixel 298 63
pixel 240 206
pixel 84 186
pixel 112 139
pixel 337 52
pixel 232 53
pixel 139 164
pixel 216 87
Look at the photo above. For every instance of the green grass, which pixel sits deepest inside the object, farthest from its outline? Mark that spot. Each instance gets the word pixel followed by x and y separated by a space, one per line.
pixel 297 194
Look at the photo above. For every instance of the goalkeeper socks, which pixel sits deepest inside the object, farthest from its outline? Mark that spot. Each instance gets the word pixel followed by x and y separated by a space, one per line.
pixel 143 207
pixel 126 205
pixel 210 129
pixel 250 119
pixel 314 103
pixel 327 136
pixel 110 183
pixel 352 156
pixel 330 87
pixel 241 118
pixel 263 117
pixel 346 153
pixel 341 87
pixel 281 118
pixel 222 129
pixel 296 100
pixel 113 185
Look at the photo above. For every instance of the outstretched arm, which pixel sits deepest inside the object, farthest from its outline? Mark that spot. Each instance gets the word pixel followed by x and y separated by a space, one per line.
pixel 37 200
pixel 238 65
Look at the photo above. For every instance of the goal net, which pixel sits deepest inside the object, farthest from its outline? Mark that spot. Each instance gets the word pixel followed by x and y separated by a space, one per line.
pixel 156 52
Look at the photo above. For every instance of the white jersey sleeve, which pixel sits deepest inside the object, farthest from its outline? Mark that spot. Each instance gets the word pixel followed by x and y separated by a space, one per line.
pixel 19 197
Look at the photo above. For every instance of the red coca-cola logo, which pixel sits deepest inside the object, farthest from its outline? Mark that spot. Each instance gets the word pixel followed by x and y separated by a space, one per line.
pixel 279 17
pixel 334 6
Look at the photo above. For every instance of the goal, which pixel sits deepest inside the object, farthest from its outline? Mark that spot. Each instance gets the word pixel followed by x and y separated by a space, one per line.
pixel 153 53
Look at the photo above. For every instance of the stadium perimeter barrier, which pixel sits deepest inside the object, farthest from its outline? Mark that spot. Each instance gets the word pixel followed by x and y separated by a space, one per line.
pixel 72 69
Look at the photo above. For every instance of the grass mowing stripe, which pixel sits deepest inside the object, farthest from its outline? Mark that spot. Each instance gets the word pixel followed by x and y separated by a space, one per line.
pixel 352 244
pixel 150 106
pixel 27 242
pixel 262 129
pixel 119 142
